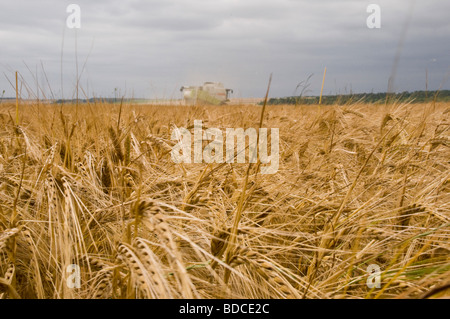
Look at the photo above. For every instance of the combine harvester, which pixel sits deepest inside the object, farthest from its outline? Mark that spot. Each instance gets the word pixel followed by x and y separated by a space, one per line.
pixel 210 93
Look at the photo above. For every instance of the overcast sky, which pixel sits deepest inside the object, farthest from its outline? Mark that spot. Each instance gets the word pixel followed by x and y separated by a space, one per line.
pixel 152 48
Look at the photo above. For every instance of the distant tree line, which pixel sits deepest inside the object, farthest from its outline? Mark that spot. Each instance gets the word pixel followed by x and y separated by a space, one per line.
pixel 73 101
pixel 93 100
pixel 374 98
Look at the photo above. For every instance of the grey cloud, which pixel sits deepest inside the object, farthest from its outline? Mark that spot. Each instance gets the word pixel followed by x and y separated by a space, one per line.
pixel 156 46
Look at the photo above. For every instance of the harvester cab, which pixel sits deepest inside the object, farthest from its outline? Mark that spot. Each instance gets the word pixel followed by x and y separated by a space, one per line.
pixel 210 93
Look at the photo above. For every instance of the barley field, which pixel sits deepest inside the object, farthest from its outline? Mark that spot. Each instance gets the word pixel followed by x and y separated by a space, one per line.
pixel 92 189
